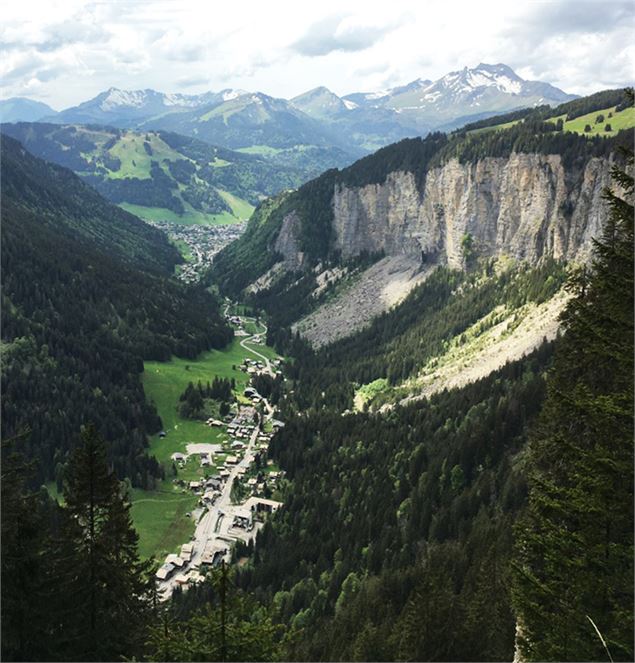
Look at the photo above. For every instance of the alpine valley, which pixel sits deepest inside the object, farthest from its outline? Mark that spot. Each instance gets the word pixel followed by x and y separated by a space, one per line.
pixel 392 420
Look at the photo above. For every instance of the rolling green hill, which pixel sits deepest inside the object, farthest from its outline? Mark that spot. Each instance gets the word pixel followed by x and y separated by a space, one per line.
pixel 158 175
pixel 595 111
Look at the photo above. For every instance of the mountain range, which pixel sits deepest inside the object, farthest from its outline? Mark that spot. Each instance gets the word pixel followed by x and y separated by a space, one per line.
pixel 345 127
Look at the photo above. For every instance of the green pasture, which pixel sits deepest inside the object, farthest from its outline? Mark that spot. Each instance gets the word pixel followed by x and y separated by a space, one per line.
pixel 189 217
pixel 160 520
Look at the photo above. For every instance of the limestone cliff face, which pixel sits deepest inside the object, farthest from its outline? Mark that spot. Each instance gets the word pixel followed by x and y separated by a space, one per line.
pixel 524 206
pixel 287 244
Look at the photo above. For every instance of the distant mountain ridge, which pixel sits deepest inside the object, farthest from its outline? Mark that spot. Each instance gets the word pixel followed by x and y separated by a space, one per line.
pixel 21 109
pixel 345 127
pixel 121 107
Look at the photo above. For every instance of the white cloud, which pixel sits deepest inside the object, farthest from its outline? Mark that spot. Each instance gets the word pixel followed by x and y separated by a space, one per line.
pixel 65 51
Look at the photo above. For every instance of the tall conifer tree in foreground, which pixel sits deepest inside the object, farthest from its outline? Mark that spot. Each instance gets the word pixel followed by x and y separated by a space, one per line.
pixel 107 581
pixel 574 548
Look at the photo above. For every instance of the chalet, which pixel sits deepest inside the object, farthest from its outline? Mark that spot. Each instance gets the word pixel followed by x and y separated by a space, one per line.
pixel 252 482
pixel 195 577
pixel 175 560
pixel 238 445
pixel 181 579
pixel 231 460
pixel 261 504
pixel 162 433
pixel 213 553
pixel 165 572
pixel 250 392
pixel 194 485
pixel 178 457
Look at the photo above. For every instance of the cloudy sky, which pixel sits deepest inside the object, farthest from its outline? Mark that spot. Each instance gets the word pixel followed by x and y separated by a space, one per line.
pixel 65 52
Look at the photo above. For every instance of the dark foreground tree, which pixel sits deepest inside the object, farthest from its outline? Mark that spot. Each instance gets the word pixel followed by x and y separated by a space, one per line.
pixel 24 619
pixel 231 627
pixel 574 548
pixel 107 582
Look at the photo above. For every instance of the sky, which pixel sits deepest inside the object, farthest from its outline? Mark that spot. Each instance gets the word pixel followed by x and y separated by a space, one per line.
pixel 65 52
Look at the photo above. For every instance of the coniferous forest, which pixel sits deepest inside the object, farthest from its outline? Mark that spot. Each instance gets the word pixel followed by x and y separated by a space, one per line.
pixel 82 307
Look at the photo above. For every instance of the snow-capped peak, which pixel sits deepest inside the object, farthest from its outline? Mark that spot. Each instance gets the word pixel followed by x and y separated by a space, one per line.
pixel 230 94
pixel 116 98
pixel 467 80
pixel 377 95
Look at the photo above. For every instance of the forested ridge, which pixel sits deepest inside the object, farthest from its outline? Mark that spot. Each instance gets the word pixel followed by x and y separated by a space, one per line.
pixel 80 313
pixel 401 521
pixel 199 168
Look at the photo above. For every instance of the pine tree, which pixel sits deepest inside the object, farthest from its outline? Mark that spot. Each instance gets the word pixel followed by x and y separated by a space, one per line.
pixel 108 583
pixel 24 614
pixel 230 628
pixel 574 550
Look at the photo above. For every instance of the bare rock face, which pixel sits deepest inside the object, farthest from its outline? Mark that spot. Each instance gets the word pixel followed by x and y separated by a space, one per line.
pixel 525 206
pixel 287 243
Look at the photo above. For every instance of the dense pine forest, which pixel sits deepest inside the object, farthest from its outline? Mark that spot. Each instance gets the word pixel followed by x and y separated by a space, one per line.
pixel 86 296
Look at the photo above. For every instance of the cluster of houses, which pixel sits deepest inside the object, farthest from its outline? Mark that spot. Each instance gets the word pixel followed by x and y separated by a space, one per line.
pixel 208 489
pixel 252 367
pixel 179 567
pixel 203 241
pixel 257 487
pixel 205 458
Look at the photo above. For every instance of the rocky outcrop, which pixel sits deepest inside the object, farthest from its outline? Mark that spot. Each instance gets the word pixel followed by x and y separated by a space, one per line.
pixel 287 244
pixel 525 206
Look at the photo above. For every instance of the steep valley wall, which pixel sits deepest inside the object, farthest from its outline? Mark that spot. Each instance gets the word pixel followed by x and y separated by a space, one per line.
pixel 525 206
